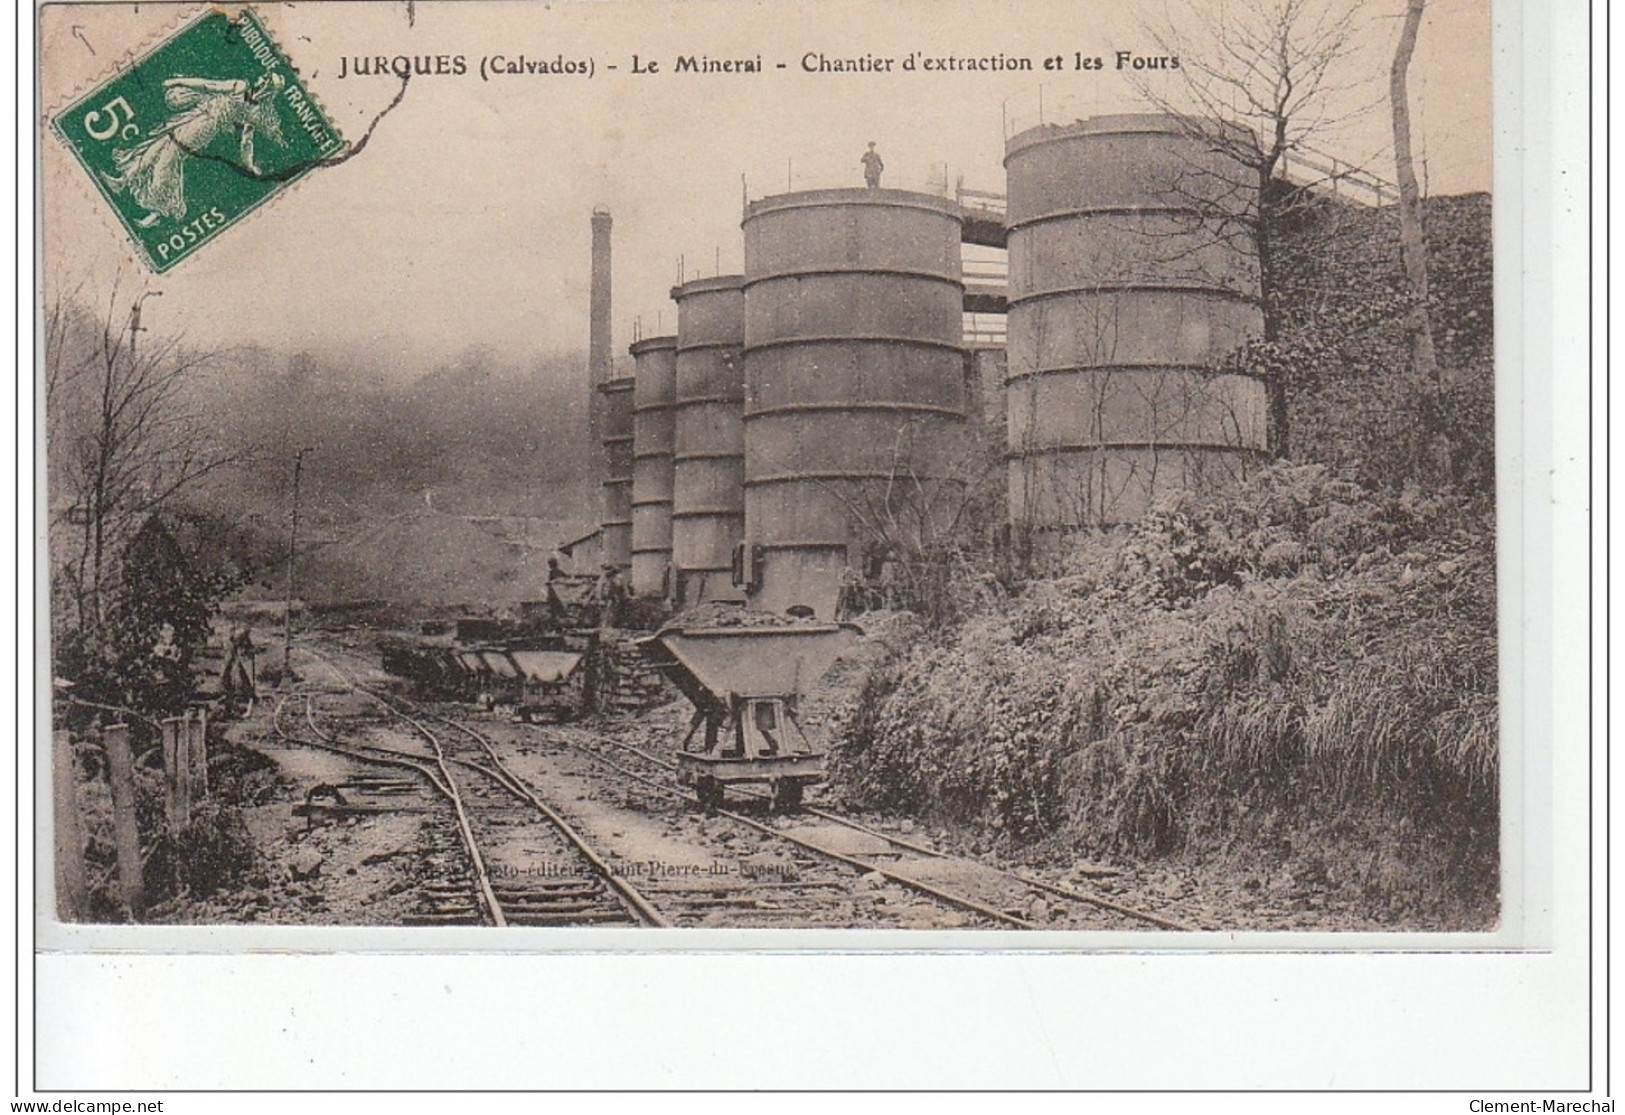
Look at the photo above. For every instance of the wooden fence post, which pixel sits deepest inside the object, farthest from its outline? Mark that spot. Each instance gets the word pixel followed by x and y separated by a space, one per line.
pixel 177 767
pixel 126 836
pixel 68 830
pixel 198 733
pixel 186 765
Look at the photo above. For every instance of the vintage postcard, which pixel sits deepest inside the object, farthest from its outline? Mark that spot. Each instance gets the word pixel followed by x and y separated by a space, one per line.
pixel 518 472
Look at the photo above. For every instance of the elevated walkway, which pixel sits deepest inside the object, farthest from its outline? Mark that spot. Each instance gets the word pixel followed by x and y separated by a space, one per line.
pixel 986 298
pixel 986 281
pixel 983 216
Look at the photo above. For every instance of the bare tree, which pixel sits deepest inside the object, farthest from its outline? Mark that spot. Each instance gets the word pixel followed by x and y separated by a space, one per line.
pixel 1258 81
pixel 122 441
pixel 927 517
pixel 1412 246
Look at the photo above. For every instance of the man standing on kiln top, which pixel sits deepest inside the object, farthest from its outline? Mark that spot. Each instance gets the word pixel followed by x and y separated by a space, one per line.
pixel 872 166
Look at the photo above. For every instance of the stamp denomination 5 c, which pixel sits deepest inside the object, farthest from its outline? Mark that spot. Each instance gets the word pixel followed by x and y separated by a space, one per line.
pixel 185 141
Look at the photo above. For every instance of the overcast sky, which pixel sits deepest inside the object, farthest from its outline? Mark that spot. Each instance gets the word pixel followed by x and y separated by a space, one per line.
pixel 465 221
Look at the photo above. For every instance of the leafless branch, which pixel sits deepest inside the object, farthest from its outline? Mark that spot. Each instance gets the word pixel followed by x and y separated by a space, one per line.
pixel 122 440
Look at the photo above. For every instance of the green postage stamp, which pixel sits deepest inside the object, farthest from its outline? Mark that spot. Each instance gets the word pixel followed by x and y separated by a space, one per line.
pixel 192 136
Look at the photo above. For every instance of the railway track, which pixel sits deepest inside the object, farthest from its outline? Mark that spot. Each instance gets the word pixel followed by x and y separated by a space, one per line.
pixel 568 883
pixel 990 895
pixel 811 894
pixel 817 889
pixel 998 894
pixel 455 891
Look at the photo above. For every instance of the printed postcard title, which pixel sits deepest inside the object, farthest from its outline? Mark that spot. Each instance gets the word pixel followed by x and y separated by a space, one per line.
pixel 491 67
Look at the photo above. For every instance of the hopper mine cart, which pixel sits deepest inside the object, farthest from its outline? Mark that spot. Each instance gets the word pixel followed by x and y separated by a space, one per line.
pixel 552 685
pixel 744 683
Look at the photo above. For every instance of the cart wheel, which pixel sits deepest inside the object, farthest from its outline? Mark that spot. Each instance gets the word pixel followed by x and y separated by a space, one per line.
pixel 709 791
pixel 786 795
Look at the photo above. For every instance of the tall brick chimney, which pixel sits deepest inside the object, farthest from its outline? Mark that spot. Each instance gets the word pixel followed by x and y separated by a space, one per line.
pixel 599 353
pixel 600 356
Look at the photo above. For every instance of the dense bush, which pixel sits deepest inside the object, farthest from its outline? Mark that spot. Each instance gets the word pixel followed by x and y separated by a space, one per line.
pixel 140 656
pixel 1343 350
pixel 1302 646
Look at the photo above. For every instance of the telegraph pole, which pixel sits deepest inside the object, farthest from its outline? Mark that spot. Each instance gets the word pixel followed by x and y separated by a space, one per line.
pixel 135 317
pixel 293 554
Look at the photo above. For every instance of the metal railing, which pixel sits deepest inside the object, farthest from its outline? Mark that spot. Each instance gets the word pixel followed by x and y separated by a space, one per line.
pixel 1041 106
pixel 1359 184
pixel 982 200
pixel 826 174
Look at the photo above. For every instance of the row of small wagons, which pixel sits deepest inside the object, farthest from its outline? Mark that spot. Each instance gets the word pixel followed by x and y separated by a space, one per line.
pixel 537 684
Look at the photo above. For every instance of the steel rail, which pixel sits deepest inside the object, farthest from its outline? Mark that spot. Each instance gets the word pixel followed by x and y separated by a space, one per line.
pixel 481 874
pixel 385 755
pixel 897 841
pixel 947 897
pixel 445 784
pixel 325 742
pixel 389 757
pixel 641 908
pixel 950 898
